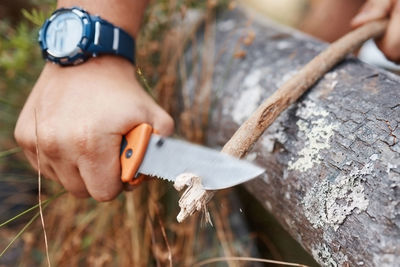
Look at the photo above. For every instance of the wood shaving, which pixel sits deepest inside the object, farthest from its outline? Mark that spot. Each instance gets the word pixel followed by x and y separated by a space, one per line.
pixel 194 198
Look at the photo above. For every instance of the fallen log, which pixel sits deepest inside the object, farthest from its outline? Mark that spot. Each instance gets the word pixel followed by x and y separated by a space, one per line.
pixel 332 159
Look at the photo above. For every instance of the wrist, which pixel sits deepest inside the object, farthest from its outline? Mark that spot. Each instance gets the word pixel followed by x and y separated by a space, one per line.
pixel 126 14
pixel 102 65
pixel 73 35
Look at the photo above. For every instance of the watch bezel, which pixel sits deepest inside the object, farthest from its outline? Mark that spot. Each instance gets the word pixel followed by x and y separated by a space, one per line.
pixel 78 55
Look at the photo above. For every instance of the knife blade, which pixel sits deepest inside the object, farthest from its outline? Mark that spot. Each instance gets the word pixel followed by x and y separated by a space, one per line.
pixel 144 152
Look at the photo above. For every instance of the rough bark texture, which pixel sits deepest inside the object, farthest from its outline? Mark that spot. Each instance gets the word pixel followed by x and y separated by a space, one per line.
pixel 332 158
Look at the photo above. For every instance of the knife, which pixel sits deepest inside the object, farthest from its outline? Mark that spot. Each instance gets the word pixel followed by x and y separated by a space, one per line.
pixel 144 152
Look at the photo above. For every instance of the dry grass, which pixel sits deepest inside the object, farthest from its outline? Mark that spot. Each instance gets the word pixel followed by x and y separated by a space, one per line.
pixel 46 243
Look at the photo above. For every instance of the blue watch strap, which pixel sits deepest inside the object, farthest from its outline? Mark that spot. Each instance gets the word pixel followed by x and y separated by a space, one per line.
pixel 109 39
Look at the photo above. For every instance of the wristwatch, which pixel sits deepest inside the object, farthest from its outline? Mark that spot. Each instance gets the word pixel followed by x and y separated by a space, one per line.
pixel 71 36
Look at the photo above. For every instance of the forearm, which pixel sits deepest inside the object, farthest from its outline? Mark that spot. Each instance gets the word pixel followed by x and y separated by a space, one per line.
pixel 126 14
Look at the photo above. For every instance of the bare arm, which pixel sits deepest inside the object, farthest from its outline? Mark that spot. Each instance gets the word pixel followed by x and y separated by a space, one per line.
pixel 83 111
pixel 126 14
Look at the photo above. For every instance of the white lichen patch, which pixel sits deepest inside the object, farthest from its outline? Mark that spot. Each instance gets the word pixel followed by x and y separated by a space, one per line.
pixel 328 203
pixel 386 260
pixel 252 79
pixel 374 157
pixel 310 110
pixel 331 75
pixel 390 166
pixel 324 256
pixel 286 78
pixel 226 26
pixel 275 133
pixel 333 84
pixel 313 46
pixel 284 45
pixel 313 124
pixel 330 82
pixel 247 103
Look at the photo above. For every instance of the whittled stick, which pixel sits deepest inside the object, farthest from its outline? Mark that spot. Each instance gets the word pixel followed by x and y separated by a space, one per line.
pixel 249 132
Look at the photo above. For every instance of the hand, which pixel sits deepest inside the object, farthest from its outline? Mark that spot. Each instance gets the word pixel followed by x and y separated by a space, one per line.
pixel 82 113
pixel 378 9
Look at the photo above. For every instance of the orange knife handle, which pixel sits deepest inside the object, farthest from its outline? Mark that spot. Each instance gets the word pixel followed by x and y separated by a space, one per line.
pixel 133 149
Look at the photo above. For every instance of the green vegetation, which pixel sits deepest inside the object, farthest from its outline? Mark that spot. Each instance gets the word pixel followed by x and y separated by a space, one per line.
pixel 20 64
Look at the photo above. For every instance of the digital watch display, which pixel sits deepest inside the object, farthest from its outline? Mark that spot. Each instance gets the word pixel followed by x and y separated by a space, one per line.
pixel 71 36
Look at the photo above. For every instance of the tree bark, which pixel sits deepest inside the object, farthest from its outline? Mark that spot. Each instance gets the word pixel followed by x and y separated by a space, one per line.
pixel 332 158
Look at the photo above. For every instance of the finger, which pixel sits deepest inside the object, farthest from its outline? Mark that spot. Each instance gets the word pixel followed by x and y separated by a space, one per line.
pixel 150 113
pixel 390 43
pixel 100 168
pixel 162 122
pixel 45 167
pixel 70 178
pixel 372 10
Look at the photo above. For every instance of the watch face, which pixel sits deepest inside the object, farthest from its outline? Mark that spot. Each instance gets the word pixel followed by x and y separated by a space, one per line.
pixel 64 34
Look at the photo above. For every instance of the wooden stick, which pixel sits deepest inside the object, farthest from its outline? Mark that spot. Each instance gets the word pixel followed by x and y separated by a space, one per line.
pixel 249 132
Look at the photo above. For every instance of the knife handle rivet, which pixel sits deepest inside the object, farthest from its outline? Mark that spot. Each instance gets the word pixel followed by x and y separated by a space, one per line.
pixel 128 153
pixel 160 142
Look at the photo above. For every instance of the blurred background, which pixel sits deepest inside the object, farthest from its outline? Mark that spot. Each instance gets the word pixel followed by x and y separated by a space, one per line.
pixel 139 227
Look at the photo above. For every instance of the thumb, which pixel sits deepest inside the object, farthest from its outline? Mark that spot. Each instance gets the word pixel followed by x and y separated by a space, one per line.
pixel 372 10
pixel 162 122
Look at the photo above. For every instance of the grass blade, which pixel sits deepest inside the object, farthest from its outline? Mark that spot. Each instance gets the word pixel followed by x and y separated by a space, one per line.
pixel 248 259
pixel 22 230
pixel 11 151
pixel 32 208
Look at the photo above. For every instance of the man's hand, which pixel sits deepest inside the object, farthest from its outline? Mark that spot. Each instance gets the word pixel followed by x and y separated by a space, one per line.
pixel 82 113
pixel 378 9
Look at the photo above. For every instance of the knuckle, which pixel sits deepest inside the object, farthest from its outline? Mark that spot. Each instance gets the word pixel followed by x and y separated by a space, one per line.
pixel 84 139
pixel 50 147
pixel 49 142
pixel 80 140
pixel 24 140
